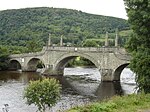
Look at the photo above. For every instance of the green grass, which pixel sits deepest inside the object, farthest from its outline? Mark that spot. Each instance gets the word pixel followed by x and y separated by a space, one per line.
pixel 125 33
pixel 128 103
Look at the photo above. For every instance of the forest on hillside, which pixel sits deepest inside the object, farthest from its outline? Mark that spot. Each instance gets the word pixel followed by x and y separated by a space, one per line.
pixel 27 30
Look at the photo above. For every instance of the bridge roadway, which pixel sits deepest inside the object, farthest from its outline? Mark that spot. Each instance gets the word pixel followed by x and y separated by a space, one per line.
pixel 109 61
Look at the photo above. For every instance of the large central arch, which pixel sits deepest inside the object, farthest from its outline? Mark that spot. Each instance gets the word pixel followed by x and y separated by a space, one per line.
pixel 64 59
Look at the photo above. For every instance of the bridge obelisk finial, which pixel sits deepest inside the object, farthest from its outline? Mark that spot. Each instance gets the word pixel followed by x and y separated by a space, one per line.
pixel 49 40
pixel 116 39
pixel 61 40
pixel 106 39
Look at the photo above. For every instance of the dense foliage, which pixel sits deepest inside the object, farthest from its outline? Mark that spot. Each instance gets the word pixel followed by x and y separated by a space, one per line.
pixel 43 93
pixel 4 53
pixel 139 44
pixel 21 27
pixel 80 61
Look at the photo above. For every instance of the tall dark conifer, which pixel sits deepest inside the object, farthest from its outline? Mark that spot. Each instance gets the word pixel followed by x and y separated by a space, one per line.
pixel 139 44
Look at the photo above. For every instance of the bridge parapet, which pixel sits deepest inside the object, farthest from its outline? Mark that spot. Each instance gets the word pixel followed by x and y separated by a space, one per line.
pixel 85 49
pixel 119 52
pixel 27 54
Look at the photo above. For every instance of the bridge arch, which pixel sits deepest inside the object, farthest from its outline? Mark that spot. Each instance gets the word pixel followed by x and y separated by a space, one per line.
pixel 33 62
pixel 64 59
pixel 14 65
pixel 118 71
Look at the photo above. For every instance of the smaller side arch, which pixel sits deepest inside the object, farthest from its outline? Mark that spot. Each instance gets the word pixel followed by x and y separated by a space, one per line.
pixel 14 65
pixel 118 71
pixel 32 64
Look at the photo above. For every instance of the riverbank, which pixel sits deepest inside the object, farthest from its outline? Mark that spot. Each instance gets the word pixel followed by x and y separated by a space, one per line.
pixel 127 103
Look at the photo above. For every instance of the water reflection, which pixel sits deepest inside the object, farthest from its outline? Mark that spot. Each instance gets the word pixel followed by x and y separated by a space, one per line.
pixel 108 89
pixel 81 87
pixel 23 77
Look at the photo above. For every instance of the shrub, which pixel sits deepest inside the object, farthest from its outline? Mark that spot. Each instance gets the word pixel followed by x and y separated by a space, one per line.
pixel 43 93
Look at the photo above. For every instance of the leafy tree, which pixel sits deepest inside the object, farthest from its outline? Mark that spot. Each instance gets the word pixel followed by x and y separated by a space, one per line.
pixel 4 53
pixel 33 46
pixel 139 44
pixel 40 64
pixel 80 61
pixel 140 64
pixel 90 43
pixel 43 93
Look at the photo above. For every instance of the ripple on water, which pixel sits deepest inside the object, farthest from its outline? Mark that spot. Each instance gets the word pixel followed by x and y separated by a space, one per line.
pixel 12 94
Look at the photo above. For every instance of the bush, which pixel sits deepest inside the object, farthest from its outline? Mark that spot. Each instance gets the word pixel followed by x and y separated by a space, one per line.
pixel 43 93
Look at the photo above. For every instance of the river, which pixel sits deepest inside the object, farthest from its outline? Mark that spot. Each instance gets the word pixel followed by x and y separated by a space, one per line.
pixel 80 86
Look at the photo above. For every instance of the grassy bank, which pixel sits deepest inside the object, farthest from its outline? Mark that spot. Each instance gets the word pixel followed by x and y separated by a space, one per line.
pixel 128 103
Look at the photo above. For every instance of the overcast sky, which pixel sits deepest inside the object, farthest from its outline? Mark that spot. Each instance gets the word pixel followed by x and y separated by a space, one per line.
pixel 113 8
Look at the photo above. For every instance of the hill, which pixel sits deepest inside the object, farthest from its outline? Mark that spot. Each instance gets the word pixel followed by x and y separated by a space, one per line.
pixel 22 27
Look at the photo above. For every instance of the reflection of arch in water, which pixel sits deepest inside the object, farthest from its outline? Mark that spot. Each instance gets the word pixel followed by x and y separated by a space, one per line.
pixel 32 64
pixel 14 65
pixel 76 87
pixel 85 88
pixel 63 60
pixel 118 71
pixel 101 90
pixel 108 89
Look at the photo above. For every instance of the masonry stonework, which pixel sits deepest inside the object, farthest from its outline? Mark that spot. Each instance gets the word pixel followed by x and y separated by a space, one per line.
pixel 109 61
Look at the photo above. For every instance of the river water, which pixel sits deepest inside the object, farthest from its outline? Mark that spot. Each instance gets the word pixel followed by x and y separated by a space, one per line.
pixel 79 87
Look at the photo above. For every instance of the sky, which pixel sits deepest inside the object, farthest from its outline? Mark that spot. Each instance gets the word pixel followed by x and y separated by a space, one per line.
pixel 113 8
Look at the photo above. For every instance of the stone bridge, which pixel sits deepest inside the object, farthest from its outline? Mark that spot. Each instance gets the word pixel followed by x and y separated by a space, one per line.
pixel 109 61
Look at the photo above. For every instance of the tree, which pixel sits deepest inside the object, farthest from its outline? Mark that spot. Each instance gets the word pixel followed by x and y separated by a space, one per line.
pixel 90 43
pixel 80 61
pixel 33 45
pixel 4 53
pixel 43 93
pixel 139 44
